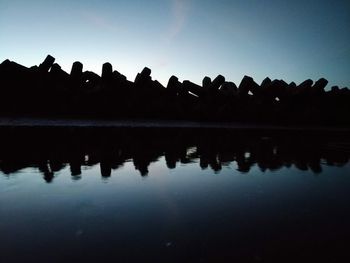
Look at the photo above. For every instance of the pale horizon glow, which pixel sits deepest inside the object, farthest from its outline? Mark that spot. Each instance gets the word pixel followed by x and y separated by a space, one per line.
pixel 191 39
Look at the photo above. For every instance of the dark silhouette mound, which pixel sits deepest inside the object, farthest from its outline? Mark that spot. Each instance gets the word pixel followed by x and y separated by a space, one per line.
pixel 48 91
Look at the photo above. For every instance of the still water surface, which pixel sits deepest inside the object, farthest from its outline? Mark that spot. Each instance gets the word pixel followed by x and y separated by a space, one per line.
pixel 174 200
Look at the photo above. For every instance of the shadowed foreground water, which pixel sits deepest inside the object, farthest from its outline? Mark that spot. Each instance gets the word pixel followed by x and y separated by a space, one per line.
pixel 172 196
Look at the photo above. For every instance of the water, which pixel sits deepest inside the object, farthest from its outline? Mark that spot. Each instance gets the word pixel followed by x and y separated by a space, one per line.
pixel 173 196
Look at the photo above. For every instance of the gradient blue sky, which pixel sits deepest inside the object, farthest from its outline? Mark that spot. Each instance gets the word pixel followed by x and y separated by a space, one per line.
pixel 290 40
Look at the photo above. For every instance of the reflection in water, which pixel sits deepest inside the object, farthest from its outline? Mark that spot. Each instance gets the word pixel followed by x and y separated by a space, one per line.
pixel 265 213
pixel 52 150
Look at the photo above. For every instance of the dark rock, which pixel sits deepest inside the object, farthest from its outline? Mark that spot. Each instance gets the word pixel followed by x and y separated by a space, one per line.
pixel 172 87
pixel 5 63
pixel 335 88
pixel 107 71
pixel 10 66
pixel 305 85
pixel 292 89
pixel 206 82
pixel 248 84
pixel 77 70
pixel 344 91
pixel 90 76
pixel 55 68
pixel 216 83
pixel 58 74
pixel 15 76
pixel 192 87
pixel 146 72
pixel 320 85
pixel 47 63
pixel 118 76
pixel 277 89
pixel 143 79
pixel 119 83
pixel 91 81
pixel 292 85
pixel 228 89
pixel 76 75
pixel 107 80
pixel 283 84
pixel 157 85
pixel 265 83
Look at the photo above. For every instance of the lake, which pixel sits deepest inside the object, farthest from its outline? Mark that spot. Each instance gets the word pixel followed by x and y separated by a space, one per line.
pixel 173 195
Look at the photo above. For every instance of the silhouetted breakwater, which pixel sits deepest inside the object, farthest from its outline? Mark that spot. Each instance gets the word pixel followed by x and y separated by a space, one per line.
pixel 46 90
pixel 51 150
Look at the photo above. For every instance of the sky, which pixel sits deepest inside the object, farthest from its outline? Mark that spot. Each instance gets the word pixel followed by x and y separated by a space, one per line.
pixel 290 40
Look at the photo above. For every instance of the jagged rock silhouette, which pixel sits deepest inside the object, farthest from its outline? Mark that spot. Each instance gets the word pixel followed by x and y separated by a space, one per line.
pixel 48 91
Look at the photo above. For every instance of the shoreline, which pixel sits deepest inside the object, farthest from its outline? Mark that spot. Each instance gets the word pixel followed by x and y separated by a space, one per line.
pixel 29 122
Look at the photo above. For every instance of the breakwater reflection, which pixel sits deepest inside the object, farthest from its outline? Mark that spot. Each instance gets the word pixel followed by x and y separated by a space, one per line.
pixel 52 150
pixel 173 195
